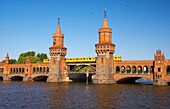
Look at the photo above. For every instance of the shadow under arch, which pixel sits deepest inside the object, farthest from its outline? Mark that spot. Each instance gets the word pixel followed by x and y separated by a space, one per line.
pixel 1 78
pixel 16 78
pixel 40 78
pixel 132 80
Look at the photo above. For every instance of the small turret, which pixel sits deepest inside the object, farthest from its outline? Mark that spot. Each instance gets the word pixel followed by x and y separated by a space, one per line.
pixel 7 59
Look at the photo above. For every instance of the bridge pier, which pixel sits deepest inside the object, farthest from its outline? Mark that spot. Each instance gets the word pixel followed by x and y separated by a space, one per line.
pixel 27 78
pixel 160 82
pixel 5 77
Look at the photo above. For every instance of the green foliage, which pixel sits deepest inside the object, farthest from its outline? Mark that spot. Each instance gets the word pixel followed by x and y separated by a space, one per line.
pixel 34 59
pixel 3 61
pixel 128 68
pixel 21 60
pixel 29 53
pixel 12 61
pixel 87 67
pixel 42 56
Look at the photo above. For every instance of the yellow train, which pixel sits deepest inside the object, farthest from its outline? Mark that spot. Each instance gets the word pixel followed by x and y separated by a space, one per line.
pixel 83 59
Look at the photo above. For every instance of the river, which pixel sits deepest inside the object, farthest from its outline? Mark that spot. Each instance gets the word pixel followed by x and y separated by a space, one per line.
pixel 42 95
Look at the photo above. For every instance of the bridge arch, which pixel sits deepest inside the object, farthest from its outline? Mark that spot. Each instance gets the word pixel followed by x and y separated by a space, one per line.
pixel 130 79
pixel 40 78
pixel 80 68
pixel 16 78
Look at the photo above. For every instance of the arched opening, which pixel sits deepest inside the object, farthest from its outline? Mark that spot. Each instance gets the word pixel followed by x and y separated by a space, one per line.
pixel 40 78
pixel 139 69
pixel 128 69
pixel 11 71
pixel 122 69
pixel 1 78
pixel 43 69
pixel 151 69
pixel 23 71
pixel 33 70
pixel 168 70
pixel 134 80
pixel 20 70
pixel 1 70
pixel 47 70
pixel 37 70
pixel 117 69
pixel 134 69
pixel 16 70
pixel 145 69
pixel 83 68
pixel 40 69
pixel 16 78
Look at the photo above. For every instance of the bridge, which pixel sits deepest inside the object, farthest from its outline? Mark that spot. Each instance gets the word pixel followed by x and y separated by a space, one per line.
pixel 106 68
pixel 124 71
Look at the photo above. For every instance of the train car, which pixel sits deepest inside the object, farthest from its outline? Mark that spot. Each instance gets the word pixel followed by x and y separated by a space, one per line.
pixel 83 59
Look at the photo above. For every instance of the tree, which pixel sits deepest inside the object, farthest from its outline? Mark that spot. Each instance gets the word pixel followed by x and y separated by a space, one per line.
pixel 42 56
pixel 34 59
pixel 29 53
pixel 21 60
pixel 12 61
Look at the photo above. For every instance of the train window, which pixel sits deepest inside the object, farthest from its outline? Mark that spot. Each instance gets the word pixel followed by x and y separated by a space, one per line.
pixel 90 58
pixel 83 58
pixel 98 46
pixel 101 46
pixel 107 46
pixel 104 46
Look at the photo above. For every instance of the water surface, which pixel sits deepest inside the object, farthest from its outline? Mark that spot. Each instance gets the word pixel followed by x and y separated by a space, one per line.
pixel 42 95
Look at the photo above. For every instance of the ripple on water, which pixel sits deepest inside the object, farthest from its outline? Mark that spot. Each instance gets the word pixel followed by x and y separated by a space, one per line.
pixel 76 95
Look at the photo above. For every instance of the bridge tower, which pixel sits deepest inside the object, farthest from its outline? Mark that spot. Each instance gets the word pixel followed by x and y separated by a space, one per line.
pixel 57 53
pixel 104 49
pixel 159 69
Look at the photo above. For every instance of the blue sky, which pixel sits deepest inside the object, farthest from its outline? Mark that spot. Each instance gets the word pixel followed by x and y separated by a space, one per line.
pixel 140 27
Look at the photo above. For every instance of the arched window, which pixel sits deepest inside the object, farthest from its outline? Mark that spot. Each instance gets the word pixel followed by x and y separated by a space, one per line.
pixel 128 69
pixel 117 69
pixel 139 69
pixel 122 69
pixel 134 69
pixel 168 70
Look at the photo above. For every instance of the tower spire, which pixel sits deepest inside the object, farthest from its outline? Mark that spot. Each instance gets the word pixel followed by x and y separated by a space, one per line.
pixel 7 56
pixel 105 25
pixel 58 31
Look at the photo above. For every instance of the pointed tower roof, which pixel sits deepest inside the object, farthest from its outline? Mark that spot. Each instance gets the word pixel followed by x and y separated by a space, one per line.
pixel 105 25
pixel 58 31
pixel 7 56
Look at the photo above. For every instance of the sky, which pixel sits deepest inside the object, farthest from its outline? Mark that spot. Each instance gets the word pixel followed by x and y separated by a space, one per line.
pixel 140 27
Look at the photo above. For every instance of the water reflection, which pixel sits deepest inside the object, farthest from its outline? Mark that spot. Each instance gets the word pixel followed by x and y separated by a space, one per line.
pixel 78 95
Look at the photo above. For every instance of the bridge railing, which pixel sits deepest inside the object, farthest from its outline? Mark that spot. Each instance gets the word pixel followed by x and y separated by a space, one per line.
pixel 17 73
pixel 37 72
